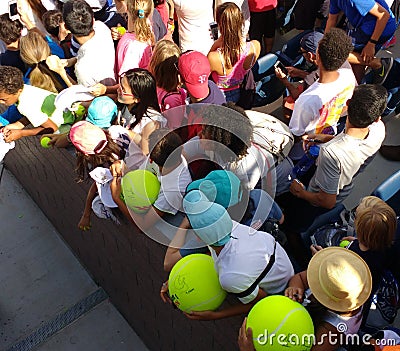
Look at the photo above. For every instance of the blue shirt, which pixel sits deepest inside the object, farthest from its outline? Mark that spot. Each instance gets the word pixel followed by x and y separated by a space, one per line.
pixel 11 115
pixel 357 12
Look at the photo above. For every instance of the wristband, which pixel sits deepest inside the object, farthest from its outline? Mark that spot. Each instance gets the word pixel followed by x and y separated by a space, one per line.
pixel 373 41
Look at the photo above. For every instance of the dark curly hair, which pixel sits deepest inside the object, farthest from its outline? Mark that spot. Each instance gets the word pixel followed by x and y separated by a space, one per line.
pixel 78 17
pixel 51 20
pixel 10 31
pixel 11 80
pixel 230 127
pixel 334 49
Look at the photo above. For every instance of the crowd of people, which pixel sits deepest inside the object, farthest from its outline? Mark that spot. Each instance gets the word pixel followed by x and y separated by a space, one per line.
pixel 143 84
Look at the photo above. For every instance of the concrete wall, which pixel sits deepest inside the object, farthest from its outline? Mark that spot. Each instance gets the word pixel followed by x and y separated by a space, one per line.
pixel 126 263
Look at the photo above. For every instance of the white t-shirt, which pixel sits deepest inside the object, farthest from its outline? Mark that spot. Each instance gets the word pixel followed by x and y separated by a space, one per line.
pixel 352 323
pixel 150 116
pixel 173 187
pixel 37 105
pixel 245 257
pixel 194 18
pixel 96 58
pixel 321 105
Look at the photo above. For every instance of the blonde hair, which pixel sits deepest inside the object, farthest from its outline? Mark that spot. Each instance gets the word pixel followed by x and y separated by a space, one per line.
pixel 34 50
pixel 139 12
pixel 375 223
pixel 163 65
pixel 230 23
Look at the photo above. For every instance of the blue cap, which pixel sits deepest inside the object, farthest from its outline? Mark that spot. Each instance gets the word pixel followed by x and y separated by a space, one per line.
pixel 210 221
pixel 310 41
pixel 102 111
pixel 221 187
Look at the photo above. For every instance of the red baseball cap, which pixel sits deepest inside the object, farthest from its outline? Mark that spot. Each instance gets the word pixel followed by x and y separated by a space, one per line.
pixel 194 69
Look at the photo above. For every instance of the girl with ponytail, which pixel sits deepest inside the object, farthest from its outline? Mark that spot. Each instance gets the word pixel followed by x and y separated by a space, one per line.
pixel 134 49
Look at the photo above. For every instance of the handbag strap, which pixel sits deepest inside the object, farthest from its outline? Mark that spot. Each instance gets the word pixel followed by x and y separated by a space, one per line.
pixel 163 105
pixel 251 288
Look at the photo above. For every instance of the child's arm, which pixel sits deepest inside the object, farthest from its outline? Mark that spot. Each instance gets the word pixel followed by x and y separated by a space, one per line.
pixel 115 187
pixel 146 221
pixel 173 253
pixel 17 125
pixel 147 130
pixel 11 134
pixel 84 222
pixel 58 65
pixel 15 131
pixel 296 287
pixel 230 311
pixel 143 222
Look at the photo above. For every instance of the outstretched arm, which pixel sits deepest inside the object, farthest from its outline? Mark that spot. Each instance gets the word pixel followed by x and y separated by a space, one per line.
pixel 230 311
pixel 382 17
pixel 173 253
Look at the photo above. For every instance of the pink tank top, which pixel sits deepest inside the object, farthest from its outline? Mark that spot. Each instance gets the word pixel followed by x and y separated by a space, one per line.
pixel 232 80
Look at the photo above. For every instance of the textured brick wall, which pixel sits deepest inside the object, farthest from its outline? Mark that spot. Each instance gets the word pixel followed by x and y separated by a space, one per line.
pixel 126 263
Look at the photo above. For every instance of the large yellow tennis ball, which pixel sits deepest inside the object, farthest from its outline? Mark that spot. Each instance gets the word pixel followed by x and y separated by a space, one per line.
pixel 194 284
pixel 140 189
pixel 279 323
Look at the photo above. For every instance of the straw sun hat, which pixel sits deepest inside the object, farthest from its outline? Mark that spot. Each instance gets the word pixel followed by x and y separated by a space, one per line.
pixel 339 279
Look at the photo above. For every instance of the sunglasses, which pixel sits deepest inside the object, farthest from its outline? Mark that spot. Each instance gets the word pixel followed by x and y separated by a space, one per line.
pixel 121 88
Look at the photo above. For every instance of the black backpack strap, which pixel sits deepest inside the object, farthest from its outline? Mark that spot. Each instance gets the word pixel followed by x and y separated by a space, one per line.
pixel 167 95
pixel 250 289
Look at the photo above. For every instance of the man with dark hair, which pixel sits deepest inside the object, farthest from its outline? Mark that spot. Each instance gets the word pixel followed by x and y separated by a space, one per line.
pixel 96 45
pixel 318 109
pixel 340 159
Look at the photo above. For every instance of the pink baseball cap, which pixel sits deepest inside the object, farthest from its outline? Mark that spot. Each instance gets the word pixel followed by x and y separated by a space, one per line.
pixel 194 69
pixel 88 138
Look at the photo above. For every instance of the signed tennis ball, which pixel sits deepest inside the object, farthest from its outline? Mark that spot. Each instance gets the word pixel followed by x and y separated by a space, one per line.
pixel 280 324
pixel 140 189
pixel 194 284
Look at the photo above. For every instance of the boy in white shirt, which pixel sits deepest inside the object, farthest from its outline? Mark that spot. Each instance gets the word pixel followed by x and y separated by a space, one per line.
pixel 249 263
pixel 34 104
pixel 96 55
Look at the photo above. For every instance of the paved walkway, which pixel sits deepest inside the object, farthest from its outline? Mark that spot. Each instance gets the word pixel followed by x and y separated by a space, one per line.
pixel 47 300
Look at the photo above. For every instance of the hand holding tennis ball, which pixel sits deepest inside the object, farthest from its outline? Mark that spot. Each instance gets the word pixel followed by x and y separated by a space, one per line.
pixel 45 142
pixel 344 243
pixel 121 30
